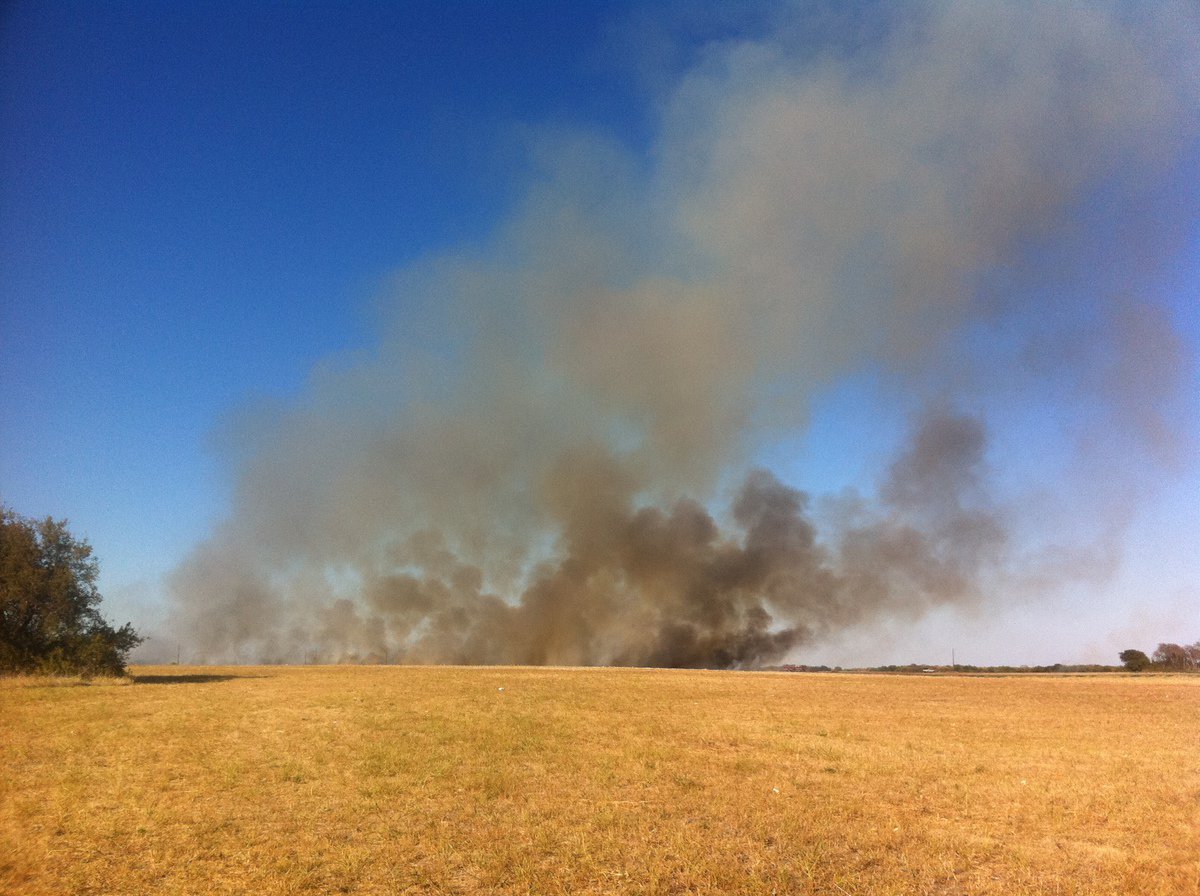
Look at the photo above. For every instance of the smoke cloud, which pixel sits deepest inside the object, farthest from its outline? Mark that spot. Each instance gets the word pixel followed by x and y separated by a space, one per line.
pixel 550 456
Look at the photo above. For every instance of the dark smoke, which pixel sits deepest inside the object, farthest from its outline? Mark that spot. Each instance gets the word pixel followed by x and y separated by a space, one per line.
pixel 650 586
pixel 531 467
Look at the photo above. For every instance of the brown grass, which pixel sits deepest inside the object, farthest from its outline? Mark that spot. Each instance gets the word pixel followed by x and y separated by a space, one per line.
pixel 434 780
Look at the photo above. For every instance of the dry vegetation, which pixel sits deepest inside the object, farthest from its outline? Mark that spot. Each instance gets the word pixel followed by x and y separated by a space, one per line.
pixel 450 780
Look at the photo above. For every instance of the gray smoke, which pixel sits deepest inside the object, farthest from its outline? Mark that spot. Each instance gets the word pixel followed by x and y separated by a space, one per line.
pixel 530 466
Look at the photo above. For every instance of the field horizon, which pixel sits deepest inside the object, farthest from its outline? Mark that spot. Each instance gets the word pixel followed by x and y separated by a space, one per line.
pixel 434 779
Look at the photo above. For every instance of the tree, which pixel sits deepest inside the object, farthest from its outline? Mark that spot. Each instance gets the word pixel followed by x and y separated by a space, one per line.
pixel 1135 660
pixel 48 598
pixel 1177 657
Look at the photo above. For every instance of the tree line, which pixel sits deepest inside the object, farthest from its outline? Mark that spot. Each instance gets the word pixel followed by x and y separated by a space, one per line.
pixel 1166 658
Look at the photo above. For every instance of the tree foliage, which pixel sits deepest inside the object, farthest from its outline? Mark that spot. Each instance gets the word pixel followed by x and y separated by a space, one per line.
pixel 1178 657
pixel 49 621
pixel 1135 660
pixel 1166 658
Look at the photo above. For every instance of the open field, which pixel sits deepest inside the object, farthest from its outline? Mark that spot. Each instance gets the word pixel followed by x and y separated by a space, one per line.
pixel 495 780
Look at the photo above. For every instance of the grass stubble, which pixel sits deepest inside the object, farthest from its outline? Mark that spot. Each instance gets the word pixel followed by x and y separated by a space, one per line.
pixel 505 780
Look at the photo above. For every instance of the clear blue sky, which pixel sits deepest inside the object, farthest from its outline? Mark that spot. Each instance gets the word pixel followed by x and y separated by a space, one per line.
pixel 201 204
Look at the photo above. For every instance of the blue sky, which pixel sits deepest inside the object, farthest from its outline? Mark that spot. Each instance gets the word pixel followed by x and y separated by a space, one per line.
pixel 213 213
pixel 200 203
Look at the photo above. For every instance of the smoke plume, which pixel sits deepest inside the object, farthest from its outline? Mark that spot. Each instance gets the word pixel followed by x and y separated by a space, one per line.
pixel 551 454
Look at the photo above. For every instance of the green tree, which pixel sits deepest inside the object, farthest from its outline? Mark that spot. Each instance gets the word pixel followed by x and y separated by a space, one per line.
pixel 49 621
pixel 1135 660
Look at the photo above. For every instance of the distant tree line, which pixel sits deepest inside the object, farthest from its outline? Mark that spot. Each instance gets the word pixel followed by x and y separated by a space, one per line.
pixel 1062 668
pixel 1166 658
pixel 49 621
pixel 961 668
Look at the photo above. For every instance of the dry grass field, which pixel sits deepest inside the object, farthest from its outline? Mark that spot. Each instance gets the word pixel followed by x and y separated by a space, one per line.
pixel 495 780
